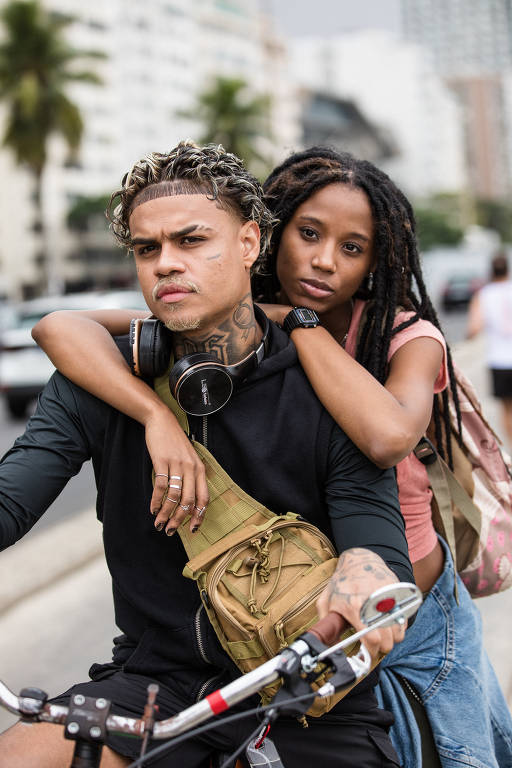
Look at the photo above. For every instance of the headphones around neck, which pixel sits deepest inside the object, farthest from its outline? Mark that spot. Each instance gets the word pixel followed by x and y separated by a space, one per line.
pixel 199 382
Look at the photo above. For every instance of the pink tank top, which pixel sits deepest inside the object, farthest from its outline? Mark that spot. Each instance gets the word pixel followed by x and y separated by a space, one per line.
pixel 413 487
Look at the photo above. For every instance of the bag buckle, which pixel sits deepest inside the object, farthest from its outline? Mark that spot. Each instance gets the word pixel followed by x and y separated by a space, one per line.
pixel 425 451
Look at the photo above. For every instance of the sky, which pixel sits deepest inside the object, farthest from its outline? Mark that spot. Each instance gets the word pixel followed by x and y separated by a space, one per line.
pixel 296 18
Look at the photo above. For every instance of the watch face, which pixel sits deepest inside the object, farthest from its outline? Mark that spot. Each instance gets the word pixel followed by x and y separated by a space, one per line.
pixel 306 316
pixel 300 317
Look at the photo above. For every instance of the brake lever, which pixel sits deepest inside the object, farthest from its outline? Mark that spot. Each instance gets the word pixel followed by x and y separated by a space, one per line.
pixel 389 605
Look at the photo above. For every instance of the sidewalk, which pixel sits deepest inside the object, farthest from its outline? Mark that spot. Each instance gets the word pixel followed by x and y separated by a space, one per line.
pixel 34 564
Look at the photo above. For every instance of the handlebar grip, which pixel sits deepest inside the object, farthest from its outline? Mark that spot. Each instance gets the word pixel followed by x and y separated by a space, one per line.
pixel 329 629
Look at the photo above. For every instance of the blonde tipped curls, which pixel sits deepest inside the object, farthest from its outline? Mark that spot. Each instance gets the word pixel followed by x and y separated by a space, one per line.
pixel 191 168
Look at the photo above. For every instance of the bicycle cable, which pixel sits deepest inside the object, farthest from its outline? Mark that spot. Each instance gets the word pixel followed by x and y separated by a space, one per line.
pixel 238 751
pixel 174 741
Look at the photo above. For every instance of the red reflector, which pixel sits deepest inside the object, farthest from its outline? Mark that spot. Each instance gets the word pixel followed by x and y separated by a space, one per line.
pixel 386 605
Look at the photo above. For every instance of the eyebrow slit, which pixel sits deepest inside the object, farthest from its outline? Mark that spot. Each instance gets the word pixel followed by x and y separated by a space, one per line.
pixel 142 241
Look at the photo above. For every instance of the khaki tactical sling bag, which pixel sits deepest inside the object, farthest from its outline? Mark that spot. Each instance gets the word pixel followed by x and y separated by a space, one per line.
pixel 259 574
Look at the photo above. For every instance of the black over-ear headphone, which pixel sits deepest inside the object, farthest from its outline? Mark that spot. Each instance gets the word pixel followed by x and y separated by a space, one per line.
pixel 200 383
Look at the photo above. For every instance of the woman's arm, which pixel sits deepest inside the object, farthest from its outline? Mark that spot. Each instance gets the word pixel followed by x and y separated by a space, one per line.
pixel 80 345
pixel 385 422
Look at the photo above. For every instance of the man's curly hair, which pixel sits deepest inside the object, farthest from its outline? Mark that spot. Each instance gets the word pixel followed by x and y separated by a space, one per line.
pixel 189 169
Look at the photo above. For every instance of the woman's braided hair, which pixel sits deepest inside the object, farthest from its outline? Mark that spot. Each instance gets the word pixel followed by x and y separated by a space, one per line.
pixel 188 169
pixel 398 281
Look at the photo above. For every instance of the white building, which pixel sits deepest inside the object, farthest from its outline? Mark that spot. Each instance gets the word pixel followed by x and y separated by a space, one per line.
pixel 159 55
pixel 394 85
pixel 471 46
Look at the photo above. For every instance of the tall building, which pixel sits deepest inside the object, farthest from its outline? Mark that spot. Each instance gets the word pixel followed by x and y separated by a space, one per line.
pixel 394 87
pixel 159 55
pixel 470 42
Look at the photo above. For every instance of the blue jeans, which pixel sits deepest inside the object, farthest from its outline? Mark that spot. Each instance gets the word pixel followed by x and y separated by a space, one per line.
pixel 442 656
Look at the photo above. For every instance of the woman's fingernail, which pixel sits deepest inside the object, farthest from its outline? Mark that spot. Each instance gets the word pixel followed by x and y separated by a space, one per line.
pixel 170 531
pixel 154 512
pixel 195 528
pixel 159 526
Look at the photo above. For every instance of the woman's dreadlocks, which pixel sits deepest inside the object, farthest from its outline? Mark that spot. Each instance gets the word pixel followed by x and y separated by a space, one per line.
pixel 398 279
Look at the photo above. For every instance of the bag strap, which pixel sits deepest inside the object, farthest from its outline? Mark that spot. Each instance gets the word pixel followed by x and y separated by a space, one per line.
pixel 448 491
pixel 229 508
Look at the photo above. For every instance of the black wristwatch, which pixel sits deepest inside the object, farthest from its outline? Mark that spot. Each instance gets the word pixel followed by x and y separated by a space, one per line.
pixel 300 317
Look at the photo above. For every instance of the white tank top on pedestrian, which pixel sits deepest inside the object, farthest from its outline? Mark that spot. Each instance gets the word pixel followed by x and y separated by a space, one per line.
pixel 496 305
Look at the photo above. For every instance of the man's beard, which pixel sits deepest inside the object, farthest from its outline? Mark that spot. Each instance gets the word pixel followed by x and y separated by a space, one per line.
pixel 182 323
pixel 178 323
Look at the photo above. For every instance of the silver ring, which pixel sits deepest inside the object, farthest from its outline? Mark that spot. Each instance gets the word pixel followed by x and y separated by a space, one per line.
pixel 161 474
pixel 185 507
pixel 176 477
pixel 200 510
pixel 173 500
pixel 173 485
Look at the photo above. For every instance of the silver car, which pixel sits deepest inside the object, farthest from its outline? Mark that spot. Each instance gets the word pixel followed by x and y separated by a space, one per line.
pixel 24 368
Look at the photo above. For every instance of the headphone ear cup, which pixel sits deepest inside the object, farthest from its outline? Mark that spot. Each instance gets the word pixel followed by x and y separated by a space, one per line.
pixel 154 349
pixel 134 345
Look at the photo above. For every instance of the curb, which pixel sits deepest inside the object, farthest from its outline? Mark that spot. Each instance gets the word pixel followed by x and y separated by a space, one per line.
pixel 35 563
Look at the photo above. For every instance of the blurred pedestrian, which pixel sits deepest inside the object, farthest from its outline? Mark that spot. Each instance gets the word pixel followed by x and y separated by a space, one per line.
pixel 490 311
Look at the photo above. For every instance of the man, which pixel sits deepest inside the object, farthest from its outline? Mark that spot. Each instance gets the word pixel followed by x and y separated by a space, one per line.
pixel 193 219
pixel 490 311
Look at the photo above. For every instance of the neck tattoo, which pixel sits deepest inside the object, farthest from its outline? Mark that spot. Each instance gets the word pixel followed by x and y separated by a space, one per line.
pixel 230 341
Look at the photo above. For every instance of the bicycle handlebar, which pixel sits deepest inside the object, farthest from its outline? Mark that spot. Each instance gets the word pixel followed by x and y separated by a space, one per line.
pixel 391 604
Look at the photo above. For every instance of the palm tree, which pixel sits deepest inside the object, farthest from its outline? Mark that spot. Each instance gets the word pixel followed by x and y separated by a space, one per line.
pixel 36 65
pixel 235 118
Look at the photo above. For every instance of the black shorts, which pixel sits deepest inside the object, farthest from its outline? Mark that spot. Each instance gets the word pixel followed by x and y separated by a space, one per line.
pixel 502 382
pixel 333 741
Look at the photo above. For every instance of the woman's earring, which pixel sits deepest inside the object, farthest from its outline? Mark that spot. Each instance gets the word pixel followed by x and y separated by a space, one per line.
pixel 370 281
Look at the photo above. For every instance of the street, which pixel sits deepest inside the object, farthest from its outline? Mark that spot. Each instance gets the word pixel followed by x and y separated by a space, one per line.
pixel 50 635
pixel 79 492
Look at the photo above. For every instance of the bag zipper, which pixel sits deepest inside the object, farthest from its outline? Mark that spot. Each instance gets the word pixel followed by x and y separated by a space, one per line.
pixel 217 604
pixel 200 644
pixel 297 608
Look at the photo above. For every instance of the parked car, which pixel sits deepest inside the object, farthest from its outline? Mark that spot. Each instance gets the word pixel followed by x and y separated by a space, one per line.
pixel 24 367
pixel 459 289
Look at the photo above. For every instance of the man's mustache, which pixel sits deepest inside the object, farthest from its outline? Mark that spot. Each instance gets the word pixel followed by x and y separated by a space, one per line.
pixel 175 282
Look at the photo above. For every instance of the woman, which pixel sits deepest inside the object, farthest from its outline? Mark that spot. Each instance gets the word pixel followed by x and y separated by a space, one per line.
pixel 345 247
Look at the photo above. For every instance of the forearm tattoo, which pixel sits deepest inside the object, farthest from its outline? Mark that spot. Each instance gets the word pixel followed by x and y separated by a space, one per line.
pixel 358 566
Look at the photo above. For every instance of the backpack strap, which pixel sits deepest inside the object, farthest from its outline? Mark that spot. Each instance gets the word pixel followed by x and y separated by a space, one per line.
pixel 448 492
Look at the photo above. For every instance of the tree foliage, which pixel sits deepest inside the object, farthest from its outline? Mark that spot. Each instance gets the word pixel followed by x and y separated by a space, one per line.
pixel 435 228
pixel 236 118
pixel 37 64
pixel 496 215
pixel 85 211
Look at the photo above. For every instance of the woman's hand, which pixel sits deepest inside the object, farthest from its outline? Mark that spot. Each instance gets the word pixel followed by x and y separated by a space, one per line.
pixel 180 479
pixel 276 312
pixel 359 573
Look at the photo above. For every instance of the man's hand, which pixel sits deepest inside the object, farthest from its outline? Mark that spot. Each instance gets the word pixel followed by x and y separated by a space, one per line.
pixel 359 573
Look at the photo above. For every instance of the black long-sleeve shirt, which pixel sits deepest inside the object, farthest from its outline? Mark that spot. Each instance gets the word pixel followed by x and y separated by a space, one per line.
pixel 275 440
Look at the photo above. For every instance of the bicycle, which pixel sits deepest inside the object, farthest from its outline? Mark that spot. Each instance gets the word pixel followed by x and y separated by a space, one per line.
pixel 87 721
